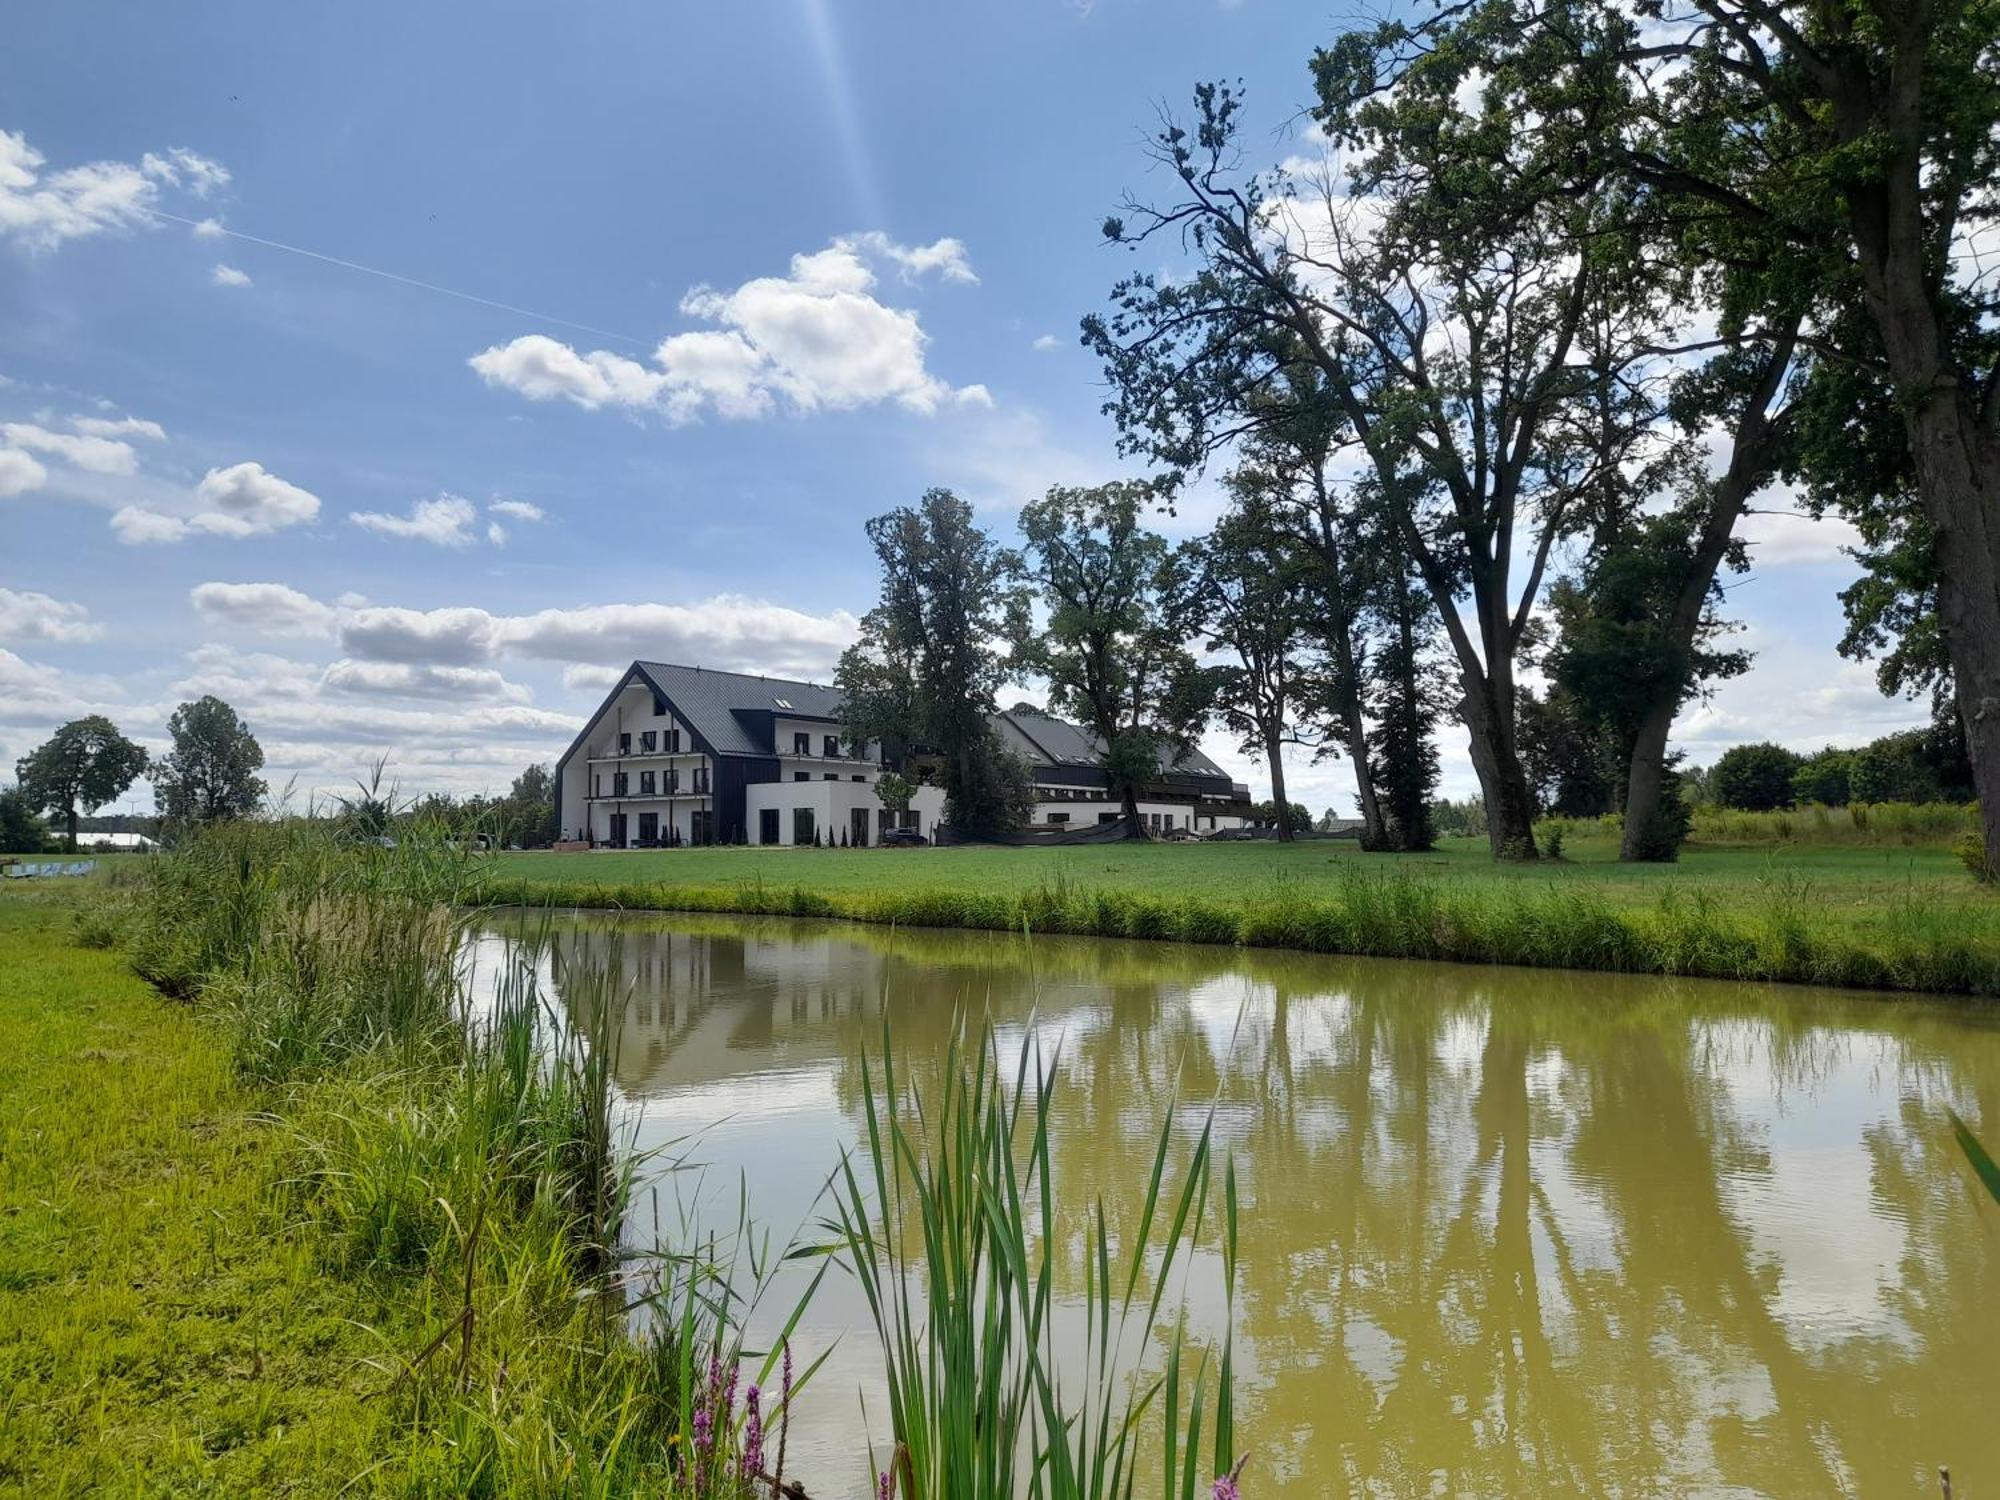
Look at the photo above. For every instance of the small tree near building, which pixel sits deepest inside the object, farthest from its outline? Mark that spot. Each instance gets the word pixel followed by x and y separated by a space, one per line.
pixel 211 772
pixel 84 765
pixel 21 830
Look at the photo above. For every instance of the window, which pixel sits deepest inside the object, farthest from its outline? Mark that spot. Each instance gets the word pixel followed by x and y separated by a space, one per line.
pixel 645 783
pixel 782 702
pixel 886 820
pixel 671 739
pixel 767 825
pixel 830 746
pixel 647 740
pixel 673 781
pixel 802 776
pixel 833 775
pixel 620 783
pixel 802 743
pixel 1058 817
pixel 862 779
pixel 649 828
pixel 802 825
pixel 700 779
pixel 624 744
pixel 1107 817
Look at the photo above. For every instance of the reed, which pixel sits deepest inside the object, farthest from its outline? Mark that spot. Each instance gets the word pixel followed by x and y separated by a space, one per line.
pixel 946 1223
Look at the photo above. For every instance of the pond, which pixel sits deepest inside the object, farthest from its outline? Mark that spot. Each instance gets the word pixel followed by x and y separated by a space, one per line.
pixel 1503 1232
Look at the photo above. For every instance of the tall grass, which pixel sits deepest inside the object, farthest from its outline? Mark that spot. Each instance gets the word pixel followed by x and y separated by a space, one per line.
pixel 469 1159
pixel 1783 930
pixel 1863 823
pixel 947 1227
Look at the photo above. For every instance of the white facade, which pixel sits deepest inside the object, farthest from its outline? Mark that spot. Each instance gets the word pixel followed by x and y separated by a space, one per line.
pixel 642 765
pixel 1154 817
pixel 840 812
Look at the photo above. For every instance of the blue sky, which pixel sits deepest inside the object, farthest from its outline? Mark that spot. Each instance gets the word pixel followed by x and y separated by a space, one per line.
pixel 772 268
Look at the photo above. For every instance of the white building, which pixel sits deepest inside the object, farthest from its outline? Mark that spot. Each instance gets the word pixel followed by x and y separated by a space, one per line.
pixel 684 755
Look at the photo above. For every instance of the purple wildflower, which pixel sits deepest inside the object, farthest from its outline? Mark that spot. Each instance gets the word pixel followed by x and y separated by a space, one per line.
pixel 882 1489
pixel 753 1435
pixel 1225 1488
pixel 704 1430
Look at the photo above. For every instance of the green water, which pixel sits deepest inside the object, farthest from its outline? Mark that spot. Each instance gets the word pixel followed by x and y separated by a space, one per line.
pixel 1504 1232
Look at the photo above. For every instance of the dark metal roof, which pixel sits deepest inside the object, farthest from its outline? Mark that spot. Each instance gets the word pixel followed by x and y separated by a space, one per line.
pixel 716 705
pixel 1057 742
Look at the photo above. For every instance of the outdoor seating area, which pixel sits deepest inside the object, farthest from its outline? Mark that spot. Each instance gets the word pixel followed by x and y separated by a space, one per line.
pixel 55 869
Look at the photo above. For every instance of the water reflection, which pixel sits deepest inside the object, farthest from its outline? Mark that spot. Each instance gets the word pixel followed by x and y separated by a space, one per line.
pixel 1503 1232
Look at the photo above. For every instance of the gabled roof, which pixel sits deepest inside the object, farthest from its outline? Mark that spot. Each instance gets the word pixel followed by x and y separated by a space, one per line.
pixel 1057 742
pixel 731 710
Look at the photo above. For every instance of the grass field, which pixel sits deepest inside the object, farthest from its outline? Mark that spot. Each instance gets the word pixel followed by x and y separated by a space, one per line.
pixel 1879 915
pixel 1848 876
pixel 162 1330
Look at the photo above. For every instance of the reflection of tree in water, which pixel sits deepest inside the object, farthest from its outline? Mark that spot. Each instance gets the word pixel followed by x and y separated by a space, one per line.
pixel 1503 1231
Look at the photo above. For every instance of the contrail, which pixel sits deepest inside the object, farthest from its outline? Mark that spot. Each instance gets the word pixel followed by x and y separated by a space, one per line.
pixel 211 227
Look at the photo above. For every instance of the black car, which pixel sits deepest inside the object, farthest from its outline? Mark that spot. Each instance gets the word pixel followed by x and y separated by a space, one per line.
pixel 903 838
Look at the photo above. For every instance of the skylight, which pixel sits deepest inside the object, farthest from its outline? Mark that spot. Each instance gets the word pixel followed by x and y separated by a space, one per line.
pixel 782 702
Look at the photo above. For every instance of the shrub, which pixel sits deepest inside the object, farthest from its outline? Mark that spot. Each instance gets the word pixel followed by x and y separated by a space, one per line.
pixel 1755 778
pixel 1892 769
pixel 1823 778
pixel 1970 848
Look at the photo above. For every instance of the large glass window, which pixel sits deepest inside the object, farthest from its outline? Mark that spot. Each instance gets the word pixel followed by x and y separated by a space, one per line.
pixel 767 825
pixel 802 743
pixel 647 740
pixel 645 783
pixel 624 744
pixel 802 825
pixel 832 746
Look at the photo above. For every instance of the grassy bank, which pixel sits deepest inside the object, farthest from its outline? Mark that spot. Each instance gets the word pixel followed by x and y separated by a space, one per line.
pixel 313 1232
pixel 1890 917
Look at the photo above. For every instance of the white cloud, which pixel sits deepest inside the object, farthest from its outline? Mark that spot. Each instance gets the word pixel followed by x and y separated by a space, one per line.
pixel 580 679
pixel 518 510
pixel 19 473
pixel 229 276
pixel 27 616
pixel 385 679
pixel 443 522
pixel 1787 538
pixel 100 455
pixel 242 500
pixel 815 339
pixel 42 210
pixel 262 608
pixel 1047 342
pixel 448 637
pixel 113 427
pixel 209 229
pixel 496 534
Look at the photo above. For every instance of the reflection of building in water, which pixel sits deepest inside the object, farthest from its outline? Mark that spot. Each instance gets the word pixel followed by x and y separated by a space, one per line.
pixel 1503 1232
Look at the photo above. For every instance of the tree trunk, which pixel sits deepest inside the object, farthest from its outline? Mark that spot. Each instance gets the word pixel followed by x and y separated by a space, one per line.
pixel 1954 437
pixel 1273 744
pixel 1128 803
pixel 1503 785
pixel 70 814
pixel 1749 465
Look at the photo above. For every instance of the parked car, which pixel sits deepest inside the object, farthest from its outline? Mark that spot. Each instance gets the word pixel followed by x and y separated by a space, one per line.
pixel 903 838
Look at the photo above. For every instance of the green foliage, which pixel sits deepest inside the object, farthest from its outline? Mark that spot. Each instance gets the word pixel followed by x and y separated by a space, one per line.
pixel 1755 778
pixel 1823 777
pixel 1402 743
pixel 1970 848
pixel 1297 815
pixel 529 814
pixel 211 772
pixel 894 790
pixel 21 829
pixel 85 764
pixel 1893 769
pixel 1110 646
pixel 955 1192
pixel 924 673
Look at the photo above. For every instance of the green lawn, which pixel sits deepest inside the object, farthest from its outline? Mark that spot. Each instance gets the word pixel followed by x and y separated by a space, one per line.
pixel 1857 877
pixel 162 1331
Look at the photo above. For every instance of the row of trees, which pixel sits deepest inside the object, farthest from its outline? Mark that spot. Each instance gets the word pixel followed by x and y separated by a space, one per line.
pixel 209 773
pixel 1917 765
pixel 1593 279
pixel 1144 644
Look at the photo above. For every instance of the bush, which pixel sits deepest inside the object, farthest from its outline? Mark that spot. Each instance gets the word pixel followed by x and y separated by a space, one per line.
pixel 1893 769
pixel 1755 778
pixel 1971 851
pixel 1823 778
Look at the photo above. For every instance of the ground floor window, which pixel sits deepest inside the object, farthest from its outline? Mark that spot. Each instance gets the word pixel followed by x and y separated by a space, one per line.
pixel 802 825
pixel 701 826
pixel 617 838
pixel 767 825
pixel 1058 817
pixel 649 828
pixel 857 833
pixel 1107 817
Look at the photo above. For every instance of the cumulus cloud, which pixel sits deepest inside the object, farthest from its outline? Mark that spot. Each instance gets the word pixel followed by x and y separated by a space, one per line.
pixel 115 427
pixel 587 679
pixel 242 500
pixel 229 276
pixel 816 339
pixel 28 616
pixel 387 679
pixel 19 473
pixel 100 455
pixel 517 510
pixel 41 210
pixel 262 609
pixel 446 521
pixel 1047 342
pixel 448 637
pixel 1780 538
